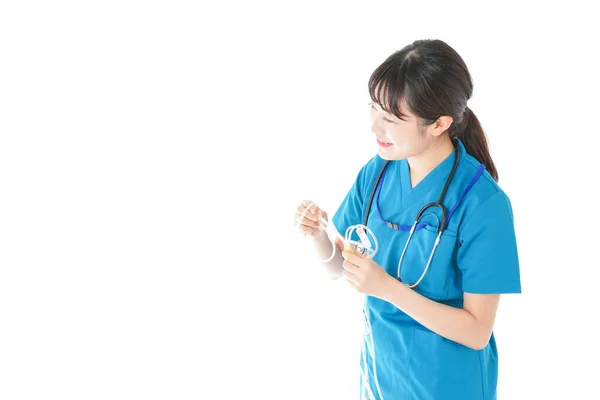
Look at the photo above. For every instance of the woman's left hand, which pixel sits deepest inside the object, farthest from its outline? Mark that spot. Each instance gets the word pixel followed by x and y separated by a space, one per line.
pixel 365 275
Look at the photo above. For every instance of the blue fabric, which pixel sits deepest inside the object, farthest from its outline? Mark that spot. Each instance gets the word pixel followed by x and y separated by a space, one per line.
pixel 395 226
pixel 477 254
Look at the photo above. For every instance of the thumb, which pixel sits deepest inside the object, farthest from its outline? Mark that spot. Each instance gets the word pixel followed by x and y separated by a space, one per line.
pixel 322 213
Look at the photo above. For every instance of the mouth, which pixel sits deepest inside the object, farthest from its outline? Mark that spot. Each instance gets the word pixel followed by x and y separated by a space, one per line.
pixel 383 144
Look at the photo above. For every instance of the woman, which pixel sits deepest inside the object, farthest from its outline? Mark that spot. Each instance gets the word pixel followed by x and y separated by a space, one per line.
pixel 430 301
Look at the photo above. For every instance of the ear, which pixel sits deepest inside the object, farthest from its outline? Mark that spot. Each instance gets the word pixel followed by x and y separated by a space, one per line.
pixel 441 125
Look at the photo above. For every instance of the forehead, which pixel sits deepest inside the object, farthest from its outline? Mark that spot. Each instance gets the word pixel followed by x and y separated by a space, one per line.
pixel 401 106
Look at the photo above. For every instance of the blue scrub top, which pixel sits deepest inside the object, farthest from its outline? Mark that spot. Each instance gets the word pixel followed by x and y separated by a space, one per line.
pixel 477 253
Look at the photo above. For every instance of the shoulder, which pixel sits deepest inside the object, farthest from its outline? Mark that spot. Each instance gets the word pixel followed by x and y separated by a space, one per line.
pixel 486 199
pixel 373 166
pixel 369 171
pixel 485 186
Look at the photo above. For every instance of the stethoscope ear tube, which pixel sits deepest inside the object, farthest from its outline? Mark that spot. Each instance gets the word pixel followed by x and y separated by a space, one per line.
pixel 442 223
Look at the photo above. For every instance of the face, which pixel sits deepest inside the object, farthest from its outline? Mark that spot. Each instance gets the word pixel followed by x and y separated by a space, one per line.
pixel 398 139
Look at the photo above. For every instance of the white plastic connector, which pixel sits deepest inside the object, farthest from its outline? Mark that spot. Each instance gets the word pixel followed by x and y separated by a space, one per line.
pixel 363 237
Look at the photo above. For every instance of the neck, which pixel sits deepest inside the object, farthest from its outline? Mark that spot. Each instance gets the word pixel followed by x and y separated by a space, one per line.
pixel 421 165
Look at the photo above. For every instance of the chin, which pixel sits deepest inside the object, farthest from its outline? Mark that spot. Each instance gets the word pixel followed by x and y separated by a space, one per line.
pixel 389 155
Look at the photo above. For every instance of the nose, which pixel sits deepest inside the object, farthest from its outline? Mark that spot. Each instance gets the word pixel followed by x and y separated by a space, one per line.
pixel 377 126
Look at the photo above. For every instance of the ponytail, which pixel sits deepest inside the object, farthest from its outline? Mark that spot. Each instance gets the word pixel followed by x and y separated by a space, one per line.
pixel 470 132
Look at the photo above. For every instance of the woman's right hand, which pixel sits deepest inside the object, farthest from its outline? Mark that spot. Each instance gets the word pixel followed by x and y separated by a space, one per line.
pixel 309 224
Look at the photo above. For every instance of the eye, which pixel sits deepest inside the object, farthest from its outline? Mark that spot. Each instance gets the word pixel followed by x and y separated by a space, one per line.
pixel 384 118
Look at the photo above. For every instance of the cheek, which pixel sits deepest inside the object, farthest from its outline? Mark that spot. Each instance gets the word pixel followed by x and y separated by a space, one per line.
pixel 406 140
pixel 399 134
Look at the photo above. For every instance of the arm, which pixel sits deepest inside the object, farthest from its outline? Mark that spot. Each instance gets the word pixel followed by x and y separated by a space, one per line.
pixel 488 261
pixel 470 326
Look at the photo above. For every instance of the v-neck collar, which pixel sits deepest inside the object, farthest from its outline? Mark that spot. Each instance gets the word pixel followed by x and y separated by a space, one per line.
pixel 434 179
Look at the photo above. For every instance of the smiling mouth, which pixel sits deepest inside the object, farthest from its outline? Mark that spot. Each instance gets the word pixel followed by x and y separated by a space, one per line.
pixel 382 143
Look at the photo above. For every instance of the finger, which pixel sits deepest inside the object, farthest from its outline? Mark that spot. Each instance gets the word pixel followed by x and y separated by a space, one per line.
pixel 352 271
pixel 308 214
pixel 320 213
pixel 307 219
pixel 351 268
pixel 307 223
pixel 307 203
pixel 313 210
pixel 311 206
pixel 354 258
pixel 306 228
pixel 350 277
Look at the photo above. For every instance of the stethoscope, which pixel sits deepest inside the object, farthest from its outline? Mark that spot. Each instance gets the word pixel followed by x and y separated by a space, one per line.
pixel 428 207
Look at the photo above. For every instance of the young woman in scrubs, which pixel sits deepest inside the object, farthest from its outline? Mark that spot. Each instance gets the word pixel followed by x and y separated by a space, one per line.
pixel 429 323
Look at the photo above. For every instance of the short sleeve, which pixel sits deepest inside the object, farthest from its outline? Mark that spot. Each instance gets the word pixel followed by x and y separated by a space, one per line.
pixel 351 210
pixel 487 255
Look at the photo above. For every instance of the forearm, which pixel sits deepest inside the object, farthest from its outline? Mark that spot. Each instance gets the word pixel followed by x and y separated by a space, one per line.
pixel 323 249
pixel 455 324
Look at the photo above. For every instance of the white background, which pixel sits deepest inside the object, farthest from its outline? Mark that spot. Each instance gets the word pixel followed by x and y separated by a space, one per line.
pixel 152 155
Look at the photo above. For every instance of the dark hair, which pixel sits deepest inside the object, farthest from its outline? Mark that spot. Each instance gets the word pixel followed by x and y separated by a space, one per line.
pixel 433 80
